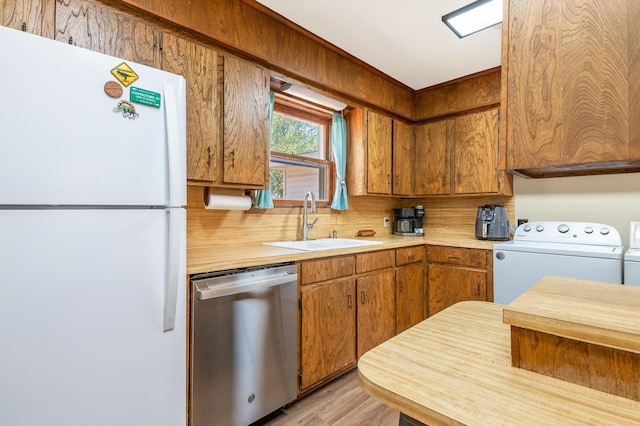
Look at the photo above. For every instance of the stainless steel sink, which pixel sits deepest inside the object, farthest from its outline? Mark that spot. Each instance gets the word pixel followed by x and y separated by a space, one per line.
pixel 322 244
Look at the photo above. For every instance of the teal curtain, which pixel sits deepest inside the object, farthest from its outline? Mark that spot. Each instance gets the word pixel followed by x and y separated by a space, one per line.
pixel 339 147
pixel 264 199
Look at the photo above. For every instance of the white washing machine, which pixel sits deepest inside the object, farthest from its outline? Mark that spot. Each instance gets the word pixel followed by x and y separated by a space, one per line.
pixel 590 251
pixel 632 256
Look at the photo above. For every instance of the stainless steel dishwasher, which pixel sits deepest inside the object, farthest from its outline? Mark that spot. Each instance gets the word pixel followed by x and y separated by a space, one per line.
pixel 244 344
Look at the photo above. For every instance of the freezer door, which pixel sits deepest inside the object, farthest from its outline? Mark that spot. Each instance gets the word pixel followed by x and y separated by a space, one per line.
pixel 82 300
pixel 65 141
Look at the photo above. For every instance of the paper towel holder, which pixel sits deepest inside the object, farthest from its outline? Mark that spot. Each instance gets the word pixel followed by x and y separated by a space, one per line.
pixel 229 198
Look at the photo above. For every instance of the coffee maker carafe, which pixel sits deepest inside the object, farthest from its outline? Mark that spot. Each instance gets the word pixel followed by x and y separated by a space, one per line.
pixel 408 221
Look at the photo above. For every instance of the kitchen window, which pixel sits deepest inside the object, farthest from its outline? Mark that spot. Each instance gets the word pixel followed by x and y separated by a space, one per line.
pixel 300 158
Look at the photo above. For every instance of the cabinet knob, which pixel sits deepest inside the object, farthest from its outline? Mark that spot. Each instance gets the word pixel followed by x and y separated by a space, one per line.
pixel 349 302
pixel 209 156
pixel 400 286
pixel 362 297
pixel 23 27
pixel 233 158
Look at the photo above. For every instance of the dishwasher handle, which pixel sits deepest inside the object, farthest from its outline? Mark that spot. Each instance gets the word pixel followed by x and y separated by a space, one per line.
pixel 237 288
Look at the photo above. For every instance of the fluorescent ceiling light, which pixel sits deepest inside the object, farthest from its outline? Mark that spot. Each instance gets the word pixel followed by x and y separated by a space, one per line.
pixel 474 17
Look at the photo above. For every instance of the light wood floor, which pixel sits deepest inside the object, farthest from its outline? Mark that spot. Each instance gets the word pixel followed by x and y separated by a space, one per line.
pixel 341 402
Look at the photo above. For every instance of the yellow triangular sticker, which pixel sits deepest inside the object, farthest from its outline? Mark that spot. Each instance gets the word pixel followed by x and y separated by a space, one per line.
pixel 124 74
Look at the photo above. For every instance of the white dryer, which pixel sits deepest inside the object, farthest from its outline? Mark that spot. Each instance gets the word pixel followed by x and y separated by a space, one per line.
pixel 632 256
pixel 590 251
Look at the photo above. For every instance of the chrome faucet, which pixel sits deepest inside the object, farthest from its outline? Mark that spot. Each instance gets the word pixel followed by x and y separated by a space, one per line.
pixel 306 226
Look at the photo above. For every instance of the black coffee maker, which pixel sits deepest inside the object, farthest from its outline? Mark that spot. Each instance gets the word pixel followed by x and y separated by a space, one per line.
pixel 408 221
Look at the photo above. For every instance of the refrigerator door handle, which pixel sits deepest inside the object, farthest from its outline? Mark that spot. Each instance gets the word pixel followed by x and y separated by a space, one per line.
pixel 173 144
pixel 174 270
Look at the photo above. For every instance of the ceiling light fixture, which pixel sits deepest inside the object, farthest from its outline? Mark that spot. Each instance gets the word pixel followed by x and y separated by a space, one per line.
pixel 474 17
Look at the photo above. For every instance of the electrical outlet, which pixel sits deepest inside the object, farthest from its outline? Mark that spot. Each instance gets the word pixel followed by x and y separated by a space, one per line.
pixel 386 222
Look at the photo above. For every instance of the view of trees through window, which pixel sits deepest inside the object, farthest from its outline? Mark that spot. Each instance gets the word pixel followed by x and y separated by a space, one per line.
pixel 298 157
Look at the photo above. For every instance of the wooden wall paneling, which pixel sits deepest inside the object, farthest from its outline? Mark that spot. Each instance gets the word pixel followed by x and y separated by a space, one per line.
pixel 475 91
pixel 238 26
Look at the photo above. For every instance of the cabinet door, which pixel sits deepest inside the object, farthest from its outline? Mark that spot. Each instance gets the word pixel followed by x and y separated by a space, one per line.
pixel 328 330
pixel 97 27
pixel 199 65
pixel 246 123
pixel 379 164
pixel 476 153
pixel 376 310
pixel 403 158
pixel 433 159
pixel 451 284
pixel 570 98
pixel 33 16
pixel 411 296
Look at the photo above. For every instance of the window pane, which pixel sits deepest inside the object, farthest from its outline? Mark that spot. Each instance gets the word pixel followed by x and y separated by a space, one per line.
pixel 293 181
pixel 294 136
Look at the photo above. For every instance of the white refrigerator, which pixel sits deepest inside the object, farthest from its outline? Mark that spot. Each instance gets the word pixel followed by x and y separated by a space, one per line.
pixel 92 238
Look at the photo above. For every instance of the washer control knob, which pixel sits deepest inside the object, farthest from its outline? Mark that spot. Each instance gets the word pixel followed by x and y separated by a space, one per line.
pixel 563 228
pixel 604 231
pixel 526 228
pixel 539 228
pixel 588 230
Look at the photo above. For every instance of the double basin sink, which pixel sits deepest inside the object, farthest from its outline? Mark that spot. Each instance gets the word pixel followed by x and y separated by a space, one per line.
pixel 322 244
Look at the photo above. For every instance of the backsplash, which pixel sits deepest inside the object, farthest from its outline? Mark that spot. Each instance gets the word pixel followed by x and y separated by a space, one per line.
pixel 232 227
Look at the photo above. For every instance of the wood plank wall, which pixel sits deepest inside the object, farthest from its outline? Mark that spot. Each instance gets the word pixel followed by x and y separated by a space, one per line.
pixel 243 28
pixel 480 90
pixel 445 215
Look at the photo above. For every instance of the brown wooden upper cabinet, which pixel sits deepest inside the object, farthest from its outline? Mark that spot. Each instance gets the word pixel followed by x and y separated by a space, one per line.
pixel 33 16
pixel 572 100
pixel 246 124
pixel 460 155
pixel 380 154
pixel 81 21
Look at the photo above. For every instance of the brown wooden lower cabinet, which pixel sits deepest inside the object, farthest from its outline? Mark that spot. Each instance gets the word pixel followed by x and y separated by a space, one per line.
pixel 410 296
pixel 350 304
pixel 327 329
pixel 456 274
pixel 376 309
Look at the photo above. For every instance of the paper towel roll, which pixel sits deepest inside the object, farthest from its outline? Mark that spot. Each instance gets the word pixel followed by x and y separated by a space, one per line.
pixel 227 202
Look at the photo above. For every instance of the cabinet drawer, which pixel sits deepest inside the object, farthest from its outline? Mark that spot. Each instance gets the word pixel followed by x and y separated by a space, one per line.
pixel 458 256
pixel 313 271
pixel 366 262
pixel 409 255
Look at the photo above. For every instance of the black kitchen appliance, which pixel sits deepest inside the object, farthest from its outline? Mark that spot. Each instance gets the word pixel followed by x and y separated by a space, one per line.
pixel 492 223
pixel 408 221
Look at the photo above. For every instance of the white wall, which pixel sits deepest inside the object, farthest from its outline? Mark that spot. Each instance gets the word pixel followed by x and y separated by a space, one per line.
pixel 610 199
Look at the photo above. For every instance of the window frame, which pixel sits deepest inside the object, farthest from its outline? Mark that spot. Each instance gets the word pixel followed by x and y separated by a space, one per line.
pixel 298 109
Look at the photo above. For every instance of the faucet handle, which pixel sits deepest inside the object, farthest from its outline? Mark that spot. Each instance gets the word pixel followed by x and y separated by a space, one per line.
pixel 313 223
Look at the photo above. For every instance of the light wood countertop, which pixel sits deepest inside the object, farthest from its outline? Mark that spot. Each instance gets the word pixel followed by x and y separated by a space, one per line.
pixel 228 256
pixel 588 311
pixel 455 368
